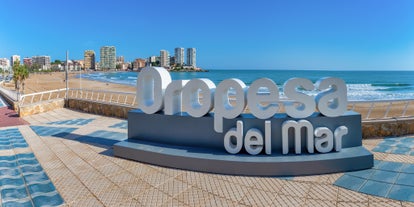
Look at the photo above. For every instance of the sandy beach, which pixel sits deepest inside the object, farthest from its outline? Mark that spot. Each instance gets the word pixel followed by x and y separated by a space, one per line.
pixel 56 80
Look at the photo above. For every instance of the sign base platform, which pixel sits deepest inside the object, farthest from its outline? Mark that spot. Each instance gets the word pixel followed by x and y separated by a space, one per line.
pixel 184 142
pixel 215 161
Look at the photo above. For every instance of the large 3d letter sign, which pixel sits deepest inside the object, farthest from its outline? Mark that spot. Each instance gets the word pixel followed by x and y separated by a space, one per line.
pixel 192 124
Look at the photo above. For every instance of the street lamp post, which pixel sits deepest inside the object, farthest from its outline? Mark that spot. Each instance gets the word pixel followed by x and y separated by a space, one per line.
pixel 66 75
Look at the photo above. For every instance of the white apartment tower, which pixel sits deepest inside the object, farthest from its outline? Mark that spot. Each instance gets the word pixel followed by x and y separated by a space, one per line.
pixel 179 55
pixel 165 58
pixel 108 57
pixel 14 58
pixel 191 57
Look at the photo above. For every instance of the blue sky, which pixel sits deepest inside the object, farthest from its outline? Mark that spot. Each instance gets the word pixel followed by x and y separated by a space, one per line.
pixel 232 34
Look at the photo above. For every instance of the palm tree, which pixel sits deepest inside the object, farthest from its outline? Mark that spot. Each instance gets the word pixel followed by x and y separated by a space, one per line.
pixel 23 75
pixel 15 68
pixel 20 74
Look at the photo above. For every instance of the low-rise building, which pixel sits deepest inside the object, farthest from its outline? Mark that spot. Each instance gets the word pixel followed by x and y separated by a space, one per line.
pixel 138 64
pixel 27 62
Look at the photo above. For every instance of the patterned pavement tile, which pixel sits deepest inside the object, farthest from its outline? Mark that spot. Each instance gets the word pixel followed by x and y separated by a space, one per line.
pixel 79 122
pixel 386 179
pixel 103 137
pixel 120 125
pixel 397 145
pixel 23 182
pixel 11 138
pixel 52 131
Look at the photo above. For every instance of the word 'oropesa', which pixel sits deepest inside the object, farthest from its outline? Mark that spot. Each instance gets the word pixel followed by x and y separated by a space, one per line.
pixel 156 91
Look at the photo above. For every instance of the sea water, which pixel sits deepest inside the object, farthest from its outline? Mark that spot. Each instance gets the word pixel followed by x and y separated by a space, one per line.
pixel 362 85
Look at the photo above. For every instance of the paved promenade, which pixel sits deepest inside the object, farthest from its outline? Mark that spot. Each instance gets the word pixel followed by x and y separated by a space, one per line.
pixel 65 157
pixel 9 117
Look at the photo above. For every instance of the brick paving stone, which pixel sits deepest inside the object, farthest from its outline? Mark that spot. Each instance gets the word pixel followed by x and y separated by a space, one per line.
pixel 256 197
pixel 152 197
pixel 241 180
pixel 98 186
pixel 169 171
pixel 58 173
pixel 309 178
pixel 89 201
pixel 130 202
pixel 219 201
pixel 174 203
pixel 79 167
pixel 173 187
pixel 98 162
pixel 318 203
pixel 298 189
pixel 231 191
pixel 194 197
pixel 273 185
pixel 156 178
pixel 113 196
pixel 323 192
pixel 122 178
pixel 71 189
pixel 351 204
pixel 288 201
pixel 141 170
pixel 126 164
pixel 136 187
pixel 345 195
pixel 109 170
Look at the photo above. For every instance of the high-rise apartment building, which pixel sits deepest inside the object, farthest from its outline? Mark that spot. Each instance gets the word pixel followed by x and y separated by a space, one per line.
pixel 14 58
pixel 108 57
pixel 179 55
pixel 89 59
pixel 165 58
pixel 42 61
pixel 191 57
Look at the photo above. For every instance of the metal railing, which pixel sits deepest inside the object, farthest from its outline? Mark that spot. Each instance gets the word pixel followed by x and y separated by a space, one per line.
pixel 10 94
pixel 33 98
pixel 383 109
pixel 110 97
pixel 369 110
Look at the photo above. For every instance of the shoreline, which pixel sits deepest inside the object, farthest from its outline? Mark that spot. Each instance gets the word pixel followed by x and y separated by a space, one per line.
pixel 56 80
